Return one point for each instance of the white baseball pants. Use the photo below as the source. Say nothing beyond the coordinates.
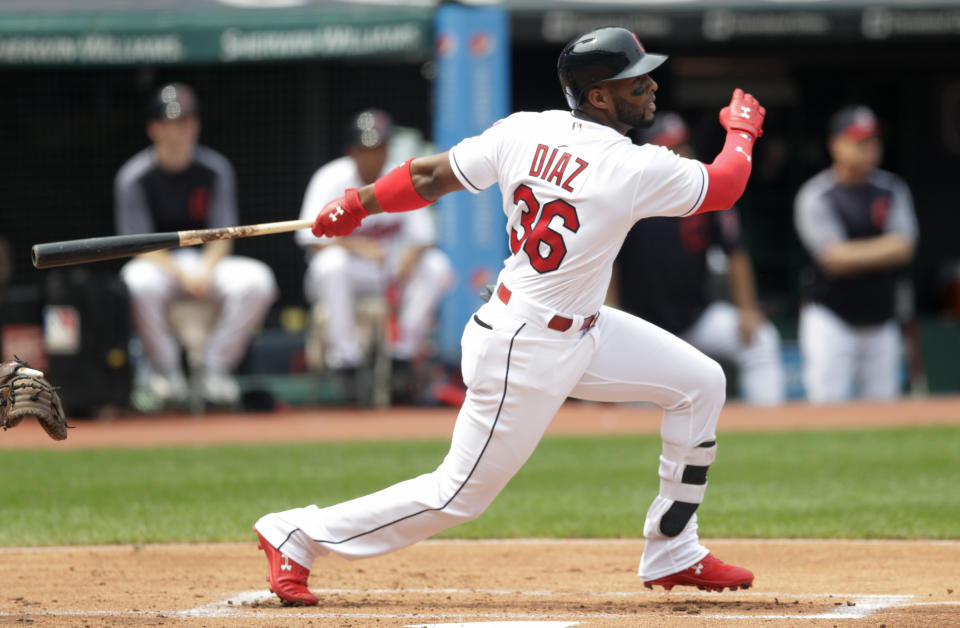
(840, 360)
(334, 277)
(759, 362)
(518, 373)
(245, 288)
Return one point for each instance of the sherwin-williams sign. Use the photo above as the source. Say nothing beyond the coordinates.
(212, 36)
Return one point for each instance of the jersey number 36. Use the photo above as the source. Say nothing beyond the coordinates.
(543, 245)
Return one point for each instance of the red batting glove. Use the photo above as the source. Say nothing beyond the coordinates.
(744, 113)
(341, 216)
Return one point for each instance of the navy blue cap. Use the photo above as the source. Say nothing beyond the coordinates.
(172, 101)
(857, 122)
(369, 128)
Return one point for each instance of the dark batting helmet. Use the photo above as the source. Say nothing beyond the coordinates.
(606, 54)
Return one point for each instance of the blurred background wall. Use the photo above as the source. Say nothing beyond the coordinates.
(277, 79)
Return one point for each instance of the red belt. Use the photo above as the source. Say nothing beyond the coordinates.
(557, 323)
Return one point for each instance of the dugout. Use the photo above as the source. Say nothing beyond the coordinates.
(75, 75)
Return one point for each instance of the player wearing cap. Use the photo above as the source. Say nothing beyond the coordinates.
(858, 225)
(172, 185)
(663, 279)
(573, 184)
(389, 248)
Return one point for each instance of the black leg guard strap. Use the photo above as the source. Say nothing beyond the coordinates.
(693, 474)
(675, 519)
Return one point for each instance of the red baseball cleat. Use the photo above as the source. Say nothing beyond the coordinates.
(287, 579)
(709, 574)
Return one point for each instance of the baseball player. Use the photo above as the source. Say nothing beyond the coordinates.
(573, 184)
(663, 275)
(388, 248)
(173, 185)
(858, 225)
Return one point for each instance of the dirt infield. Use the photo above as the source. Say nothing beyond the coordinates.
(558, 583)
(531, 583)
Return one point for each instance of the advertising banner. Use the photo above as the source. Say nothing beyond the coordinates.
(471, 93)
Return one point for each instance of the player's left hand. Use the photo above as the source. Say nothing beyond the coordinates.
(198, 286)
(341, 216)
(749, 323)
(744, 113)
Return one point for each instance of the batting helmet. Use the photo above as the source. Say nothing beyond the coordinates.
(606, 54)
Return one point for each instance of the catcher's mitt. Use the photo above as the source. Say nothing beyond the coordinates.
(25, 392)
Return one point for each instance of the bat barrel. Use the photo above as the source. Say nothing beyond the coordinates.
(51, 254)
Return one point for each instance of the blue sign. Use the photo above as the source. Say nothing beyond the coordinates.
(471, 93)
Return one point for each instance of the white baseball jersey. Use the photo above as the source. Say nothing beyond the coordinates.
(392, 230)
(572, 190)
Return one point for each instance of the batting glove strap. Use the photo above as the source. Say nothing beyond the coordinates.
(395, 191)
(681, 492)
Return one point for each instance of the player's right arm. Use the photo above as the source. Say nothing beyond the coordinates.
(413, 184)
(430, 177)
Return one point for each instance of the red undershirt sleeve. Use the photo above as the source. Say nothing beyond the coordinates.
(728, 173)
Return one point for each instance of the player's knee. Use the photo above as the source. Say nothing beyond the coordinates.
(141, 279)
(713, 382)
(330, 263)
(467, 511)
(437, 267)
(256, 282)
(767, 342)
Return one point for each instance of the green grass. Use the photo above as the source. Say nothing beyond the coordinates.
(899, 483)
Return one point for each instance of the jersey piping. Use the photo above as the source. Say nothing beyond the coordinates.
(461, 176)
(703, 190)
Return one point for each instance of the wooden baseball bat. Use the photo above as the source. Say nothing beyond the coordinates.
(51, 254)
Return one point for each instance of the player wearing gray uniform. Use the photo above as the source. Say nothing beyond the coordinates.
(388, 248)
(171, 186)
(572, 186)
(859, 227)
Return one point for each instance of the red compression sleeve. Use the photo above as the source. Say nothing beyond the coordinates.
(728, 173)
(395, 191)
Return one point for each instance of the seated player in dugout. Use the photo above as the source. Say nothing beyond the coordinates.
(172, 185)
(545, 335)
(663, 276)
(393, 252)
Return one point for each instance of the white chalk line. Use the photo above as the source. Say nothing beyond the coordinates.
(710, 541)
(505, 541)
(852, 606)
